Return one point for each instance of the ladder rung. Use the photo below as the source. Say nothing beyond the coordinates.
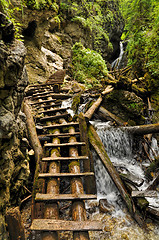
(65, 158)
(63, 197)
(49, 106)
(61, 225)
(54, 110)
(48, 175)
(55, 117)
(55, 95)
(60, 135)
(45, 101)
(62, 125)
(64, 144)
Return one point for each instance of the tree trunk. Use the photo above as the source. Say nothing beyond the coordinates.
(106, 114)
(15, 224)
(142, 129)
(88, 115)
(88, 165)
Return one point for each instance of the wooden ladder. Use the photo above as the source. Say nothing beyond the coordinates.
(61, 141)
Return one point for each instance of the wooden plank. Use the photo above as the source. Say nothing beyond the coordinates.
(65, 158)
(54, 117)
(42, 102)
(61, 225)
(60, 135)
(53, 110)
(54, 95)
(63, 197)
(151, 193)
(48, 175)
(64, 144)
(42, 93)
(71, 124)
(49, 106)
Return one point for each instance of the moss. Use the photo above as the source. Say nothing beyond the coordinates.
(72, 164)
(76, 101)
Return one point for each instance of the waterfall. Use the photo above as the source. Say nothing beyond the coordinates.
(117, 61)
(119, 147)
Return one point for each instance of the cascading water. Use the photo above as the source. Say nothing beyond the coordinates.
(116, 62)
(119, 147)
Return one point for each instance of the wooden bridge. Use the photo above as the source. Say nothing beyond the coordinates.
(64, 158)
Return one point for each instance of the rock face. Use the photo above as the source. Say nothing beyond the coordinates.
(14, 164)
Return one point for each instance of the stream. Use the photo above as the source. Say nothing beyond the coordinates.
(117, 222)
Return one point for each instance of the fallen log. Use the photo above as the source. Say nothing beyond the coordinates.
(32, 134)
(150, 193)
(142, 129)
(88, 115)
(15, 224)
(106, 114)
(99, 148)
(88, 165)
(154, 184)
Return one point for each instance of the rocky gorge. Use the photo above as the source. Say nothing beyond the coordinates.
(47, 47)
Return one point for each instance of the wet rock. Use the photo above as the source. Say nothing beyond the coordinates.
(104, 206)
(6, 29)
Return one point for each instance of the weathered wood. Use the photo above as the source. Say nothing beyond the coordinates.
(48, 175)
(78, 207)
(61, 225)
(53, 110)
(53, 187)
(64, 144)
(65, 158)
(54, 95)
(154, 184)
(99, 148)
(46, 101)
(35, 143)
(44, 106)
(142, 129)
(154, 213)
(150, 193)
(62, 125)
(60, 197)
(54, 117)
(15, 224)
(60, 135)
(106, 114)
(88, 165)
(32, 134)
(88, 115)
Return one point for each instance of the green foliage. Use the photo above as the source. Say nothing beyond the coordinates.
(95, 17)
(11, 12)
(88, 65)
(142, 33)
(42, 4)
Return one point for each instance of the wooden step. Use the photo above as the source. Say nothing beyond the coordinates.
(54, 117)
(40, 197)
(150, 193)
(48, 175)
(49, 106)
(65, 158)
(54, 95)
(42, 93)
(43, 84)
(60, 135)
(61, 225)
(53, 110)
(71, 124)
(45, 101)
(74, 144)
